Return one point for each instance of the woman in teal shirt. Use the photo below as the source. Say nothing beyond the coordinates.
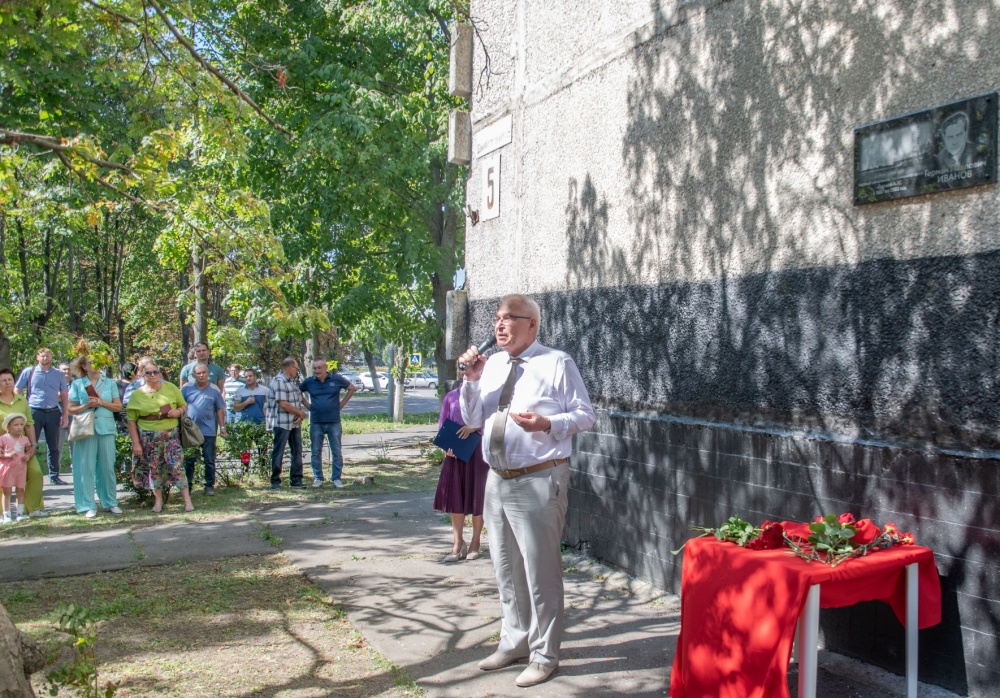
(94, 456)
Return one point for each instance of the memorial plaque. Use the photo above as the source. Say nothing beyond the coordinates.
(948, 147)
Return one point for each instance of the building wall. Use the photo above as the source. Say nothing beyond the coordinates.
(678, 197)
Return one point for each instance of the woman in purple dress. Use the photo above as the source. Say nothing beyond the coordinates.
(461, 486)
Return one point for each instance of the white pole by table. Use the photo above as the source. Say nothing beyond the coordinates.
(807, 637)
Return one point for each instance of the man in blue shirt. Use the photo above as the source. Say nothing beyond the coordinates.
(207, 408)
(250, 400)
(48, 397)
(202, 357)
(323, 389)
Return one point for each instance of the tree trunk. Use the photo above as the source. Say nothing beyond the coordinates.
(402, 361)
(73, 320)
(370, 360)
(312, 352)
(200, 297)
(185, 339)
(121, 340)
(4, 349)
(20, 657)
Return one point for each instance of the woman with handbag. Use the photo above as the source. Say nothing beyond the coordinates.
(93, 403)
(154, 411)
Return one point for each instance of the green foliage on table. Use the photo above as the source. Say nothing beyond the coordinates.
(735, 530)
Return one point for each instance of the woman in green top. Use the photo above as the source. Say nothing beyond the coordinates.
(153, 410)
(94, 456)
(11, 402)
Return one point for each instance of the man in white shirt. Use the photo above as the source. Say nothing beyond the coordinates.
(529, 400)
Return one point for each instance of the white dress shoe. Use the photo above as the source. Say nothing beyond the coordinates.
(535, 674)
(498, 660)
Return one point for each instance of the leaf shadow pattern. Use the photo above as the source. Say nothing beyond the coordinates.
(760, 347)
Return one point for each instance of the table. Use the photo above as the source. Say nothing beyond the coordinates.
(739, 610)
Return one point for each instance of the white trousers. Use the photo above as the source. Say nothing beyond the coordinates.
(524, 519)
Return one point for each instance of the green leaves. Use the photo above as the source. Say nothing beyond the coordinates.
(830, 536)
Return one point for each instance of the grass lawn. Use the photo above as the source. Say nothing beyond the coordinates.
(244, 626)
(368, 423)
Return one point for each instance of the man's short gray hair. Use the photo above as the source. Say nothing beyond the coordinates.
(289, 362)
(525, 302)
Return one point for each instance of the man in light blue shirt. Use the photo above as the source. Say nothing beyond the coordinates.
(250, 400)
(48, 397)
(207, 408)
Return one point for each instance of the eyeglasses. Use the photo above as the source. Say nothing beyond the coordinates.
(508, 319)
(150, 373)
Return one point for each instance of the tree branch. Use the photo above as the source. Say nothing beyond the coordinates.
(8, 137)
(234, 88)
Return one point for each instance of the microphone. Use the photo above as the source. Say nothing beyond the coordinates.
(483, 348)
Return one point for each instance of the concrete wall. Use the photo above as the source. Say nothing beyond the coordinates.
(678, 196)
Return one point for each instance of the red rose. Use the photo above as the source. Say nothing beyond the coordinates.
(891, 530)
(867, 532)
(846, 518)
(245, 458)
(907, 539)
(771, 537)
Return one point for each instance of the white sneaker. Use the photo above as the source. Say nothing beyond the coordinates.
(317, 483)
(116, 511)
(91, 514)
(338, 484)
(4, 520)
(38, 514)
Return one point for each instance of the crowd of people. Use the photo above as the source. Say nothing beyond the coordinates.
(526, 401)
(75, 404)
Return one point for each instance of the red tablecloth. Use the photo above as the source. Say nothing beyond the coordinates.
(739, 608)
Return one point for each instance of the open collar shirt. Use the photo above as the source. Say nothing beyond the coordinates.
(283, 388)
(47, 387)
(549, 384)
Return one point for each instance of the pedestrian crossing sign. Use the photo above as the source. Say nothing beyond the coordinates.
(414, 359)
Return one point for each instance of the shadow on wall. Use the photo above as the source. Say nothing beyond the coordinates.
(753, 296)
(736, 197)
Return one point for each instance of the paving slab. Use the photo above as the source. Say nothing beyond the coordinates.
(381, 558)
(202, 540)
(64, 556)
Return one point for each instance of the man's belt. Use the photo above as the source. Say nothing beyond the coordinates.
(45, 409)
(518, 472)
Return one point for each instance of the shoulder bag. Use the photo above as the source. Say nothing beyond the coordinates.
(189, 432)
(82, 426)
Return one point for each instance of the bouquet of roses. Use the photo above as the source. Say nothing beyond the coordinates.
(832, 538)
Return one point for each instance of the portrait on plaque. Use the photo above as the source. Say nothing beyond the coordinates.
(948, 147)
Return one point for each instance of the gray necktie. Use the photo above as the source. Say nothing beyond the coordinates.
(498, 458)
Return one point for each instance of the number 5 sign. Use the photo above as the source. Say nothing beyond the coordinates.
(489, 207)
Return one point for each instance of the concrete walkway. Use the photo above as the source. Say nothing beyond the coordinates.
(380, 558)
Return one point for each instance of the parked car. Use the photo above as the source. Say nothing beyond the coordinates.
(425, 379)
(366, 381)
(355, 379)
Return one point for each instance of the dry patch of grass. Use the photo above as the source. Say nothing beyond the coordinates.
(245, 626)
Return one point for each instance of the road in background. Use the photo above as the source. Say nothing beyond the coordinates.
(415, 401)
